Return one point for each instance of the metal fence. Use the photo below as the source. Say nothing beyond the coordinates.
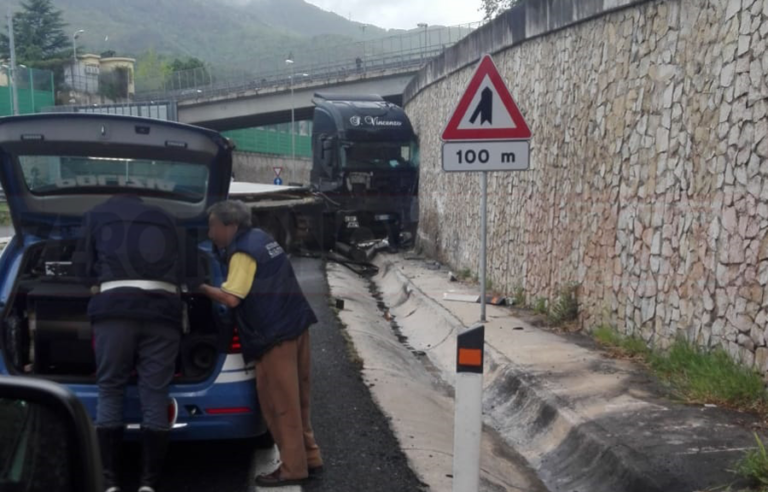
(165, 110)
(34, 87)
(408, 50)
(264, 141)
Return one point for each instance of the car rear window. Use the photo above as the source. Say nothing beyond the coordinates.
(63, 175)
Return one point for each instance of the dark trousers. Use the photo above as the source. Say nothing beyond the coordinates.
(149, 347)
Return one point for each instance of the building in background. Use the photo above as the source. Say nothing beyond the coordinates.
(99, 80)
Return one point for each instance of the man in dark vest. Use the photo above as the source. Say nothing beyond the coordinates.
(273, 318)
(131, 253)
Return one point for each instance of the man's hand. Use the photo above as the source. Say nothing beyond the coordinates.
(220, 296)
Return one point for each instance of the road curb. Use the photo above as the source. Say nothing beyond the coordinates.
(570, 451)
(419, 406)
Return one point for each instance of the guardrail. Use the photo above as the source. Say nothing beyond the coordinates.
(401, 52)
(312, 74)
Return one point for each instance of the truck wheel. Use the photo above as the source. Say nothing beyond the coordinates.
(273, 226)
(322, 232)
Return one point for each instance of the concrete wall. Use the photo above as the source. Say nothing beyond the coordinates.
(649, 179)
(260, 168)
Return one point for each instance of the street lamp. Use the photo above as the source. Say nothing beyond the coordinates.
(74, 54)
(424, 26)
(363, 27)
(10, 85)
(9, 72)
(290, 62)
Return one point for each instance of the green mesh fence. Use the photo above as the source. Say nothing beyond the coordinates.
(34, 89)
(264, 141)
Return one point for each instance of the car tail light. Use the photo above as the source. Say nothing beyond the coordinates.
(227, 410)
(234, 346)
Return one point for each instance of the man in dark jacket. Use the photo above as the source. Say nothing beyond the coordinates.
(273, 318)
(130, 253)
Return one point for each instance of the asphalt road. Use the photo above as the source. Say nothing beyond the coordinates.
(359, 449)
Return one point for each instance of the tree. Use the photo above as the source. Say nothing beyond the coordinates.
(187, 73)
(39, 34)
(191, 63)
(492, 8)
(114, 84)
(151, 72)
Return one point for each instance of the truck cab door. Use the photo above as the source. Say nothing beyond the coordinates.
(327, 156)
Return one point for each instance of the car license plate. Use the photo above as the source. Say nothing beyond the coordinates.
(382, 218)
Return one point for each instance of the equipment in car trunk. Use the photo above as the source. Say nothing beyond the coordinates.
(60, 330)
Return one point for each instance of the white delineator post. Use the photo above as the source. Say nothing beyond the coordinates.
(468, 421)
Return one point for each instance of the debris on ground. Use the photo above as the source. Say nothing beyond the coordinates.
(470, 298)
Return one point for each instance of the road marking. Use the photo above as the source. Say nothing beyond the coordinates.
(266, 461)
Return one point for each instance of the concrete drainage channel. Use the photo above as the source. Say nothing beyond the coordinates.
(569, 451)
(411, 391)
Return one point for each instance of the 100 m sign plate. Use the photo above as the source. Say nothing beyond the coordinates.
(467, 157)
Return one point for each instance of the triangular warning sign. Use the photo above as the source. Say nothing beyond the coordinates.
(278, 171)
(487, 111)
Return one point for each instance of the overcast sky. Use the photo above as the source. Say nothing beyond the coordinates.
(405, 14)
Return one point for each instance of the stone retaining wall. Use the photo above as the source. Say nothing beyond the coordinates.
(649, 179)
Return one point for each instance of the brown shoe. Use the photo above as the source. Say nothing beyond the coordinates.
(275, 480)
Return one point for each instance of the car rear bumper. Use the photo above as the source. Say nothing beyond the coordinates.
(228, 410)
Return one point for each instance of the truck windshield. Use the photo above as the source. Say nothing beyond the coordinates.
(379, 155)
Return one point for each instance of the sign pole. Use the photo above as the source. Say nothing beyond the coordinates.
(483, 241)
(486, 133)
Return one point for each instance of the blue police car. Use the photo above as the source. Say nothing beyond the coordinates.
(54, 168)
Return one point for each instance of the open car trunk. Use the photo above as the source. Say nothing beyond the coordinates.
(57, 167)
(48, 334)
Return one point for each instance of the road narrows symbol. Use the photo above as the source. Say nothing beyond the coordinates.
(484, 108)
(486, 111)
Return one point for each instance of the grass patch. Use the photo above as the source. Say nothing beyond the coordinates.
(465, 274)
(519, 297)
(702, 377)
(565, 307)
(695, 375)
(710, 377)
(606, 336)
(540, 306)
(754, 465)
(630, 347)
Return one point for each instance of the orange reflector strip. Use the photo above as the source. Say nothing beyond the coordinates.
(470, 357)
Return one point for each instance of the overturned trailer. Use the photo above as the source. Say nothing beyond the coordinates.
(297, 218)
(290, 214)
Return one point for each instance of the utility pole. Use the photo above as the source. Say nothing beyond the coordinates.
(12, 46)
(74, 60)
(424, 26)
(290, 62)
(363, 27)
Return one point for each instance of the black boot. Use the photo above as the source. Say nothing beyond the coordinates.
(154, 446)
(110, 446)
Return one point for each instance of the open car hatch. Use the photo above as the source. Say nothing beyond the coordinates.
(57, 166)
